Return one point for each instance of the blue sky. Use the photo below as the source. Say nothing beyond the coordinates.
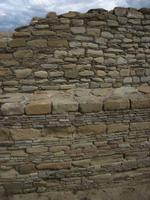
(14, 13)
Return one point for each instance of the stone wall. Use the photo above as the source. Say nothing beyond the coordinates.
(75, 140)
(88, 133)
(98, 49)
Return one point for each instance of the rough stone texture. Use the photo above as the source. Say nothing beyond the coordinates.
(100, 45)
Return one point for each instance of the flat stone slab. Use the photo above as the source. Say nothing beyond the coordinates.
(75, 100)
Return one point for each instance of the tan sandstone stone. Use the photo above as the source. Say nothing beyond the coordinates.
(38, 107)
(116, 104)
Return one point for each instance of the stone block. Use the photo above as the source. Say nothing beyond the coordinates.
(39, 43)
(77, 30)
(117, 127)
(36, 149)
(26, 168)
(99, 60)
(23, 54)
(117, 104)
(43, 33)
(89, 104)
(81, 163)
(107, 35)
(22, 73)
(38, 107)
(17, 43)
(56, 43)
(5, 72)
(86, 73)
(56, 73)
(92, 128)
(137, 103)
(137, 126)
(120, 11)
(21, 34)
(94, 53)
(133, 13)
(41, 74)
(12, 109)
(4, 56)
(4, 134)
(62, 105)
(77, 52)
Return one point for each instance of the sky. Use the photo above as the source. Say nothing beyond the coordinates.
(15, 13)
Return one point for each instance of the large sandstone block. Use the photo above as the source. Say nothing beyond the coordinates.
(12, 109)
(89, 104)
(38, 107)
(117, 104)
(143, 102)
(62, 105)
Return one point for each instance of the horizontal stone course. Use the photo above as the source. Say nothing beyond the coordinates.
(123, 98)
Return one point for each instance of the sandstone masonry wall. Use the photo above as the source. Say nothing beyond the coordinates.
(90, 127)
(97, 49)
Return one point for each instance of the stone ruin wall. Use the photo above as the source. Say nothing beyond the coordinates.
(78, 139)
(98, 49)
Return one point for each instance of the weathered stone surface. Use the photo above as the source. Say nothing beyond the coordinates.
(23, 54)
(120, 11)
(107, 35)
(77, 30)
(43, 33)
(56, 74)
(137, 102)
(41, 74)
(38, 107)
(132, 13)
(39, 43)
(89, 104)
(62, 105)
(12, 109)
(17, 43)
(86, 73)
(26, 169)
(36, 150)
(116, 104)
(23, 73)
(25, 134)
(140, 126)
(4, 134)
(92, 128)
(57, 43)
(118, 127)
